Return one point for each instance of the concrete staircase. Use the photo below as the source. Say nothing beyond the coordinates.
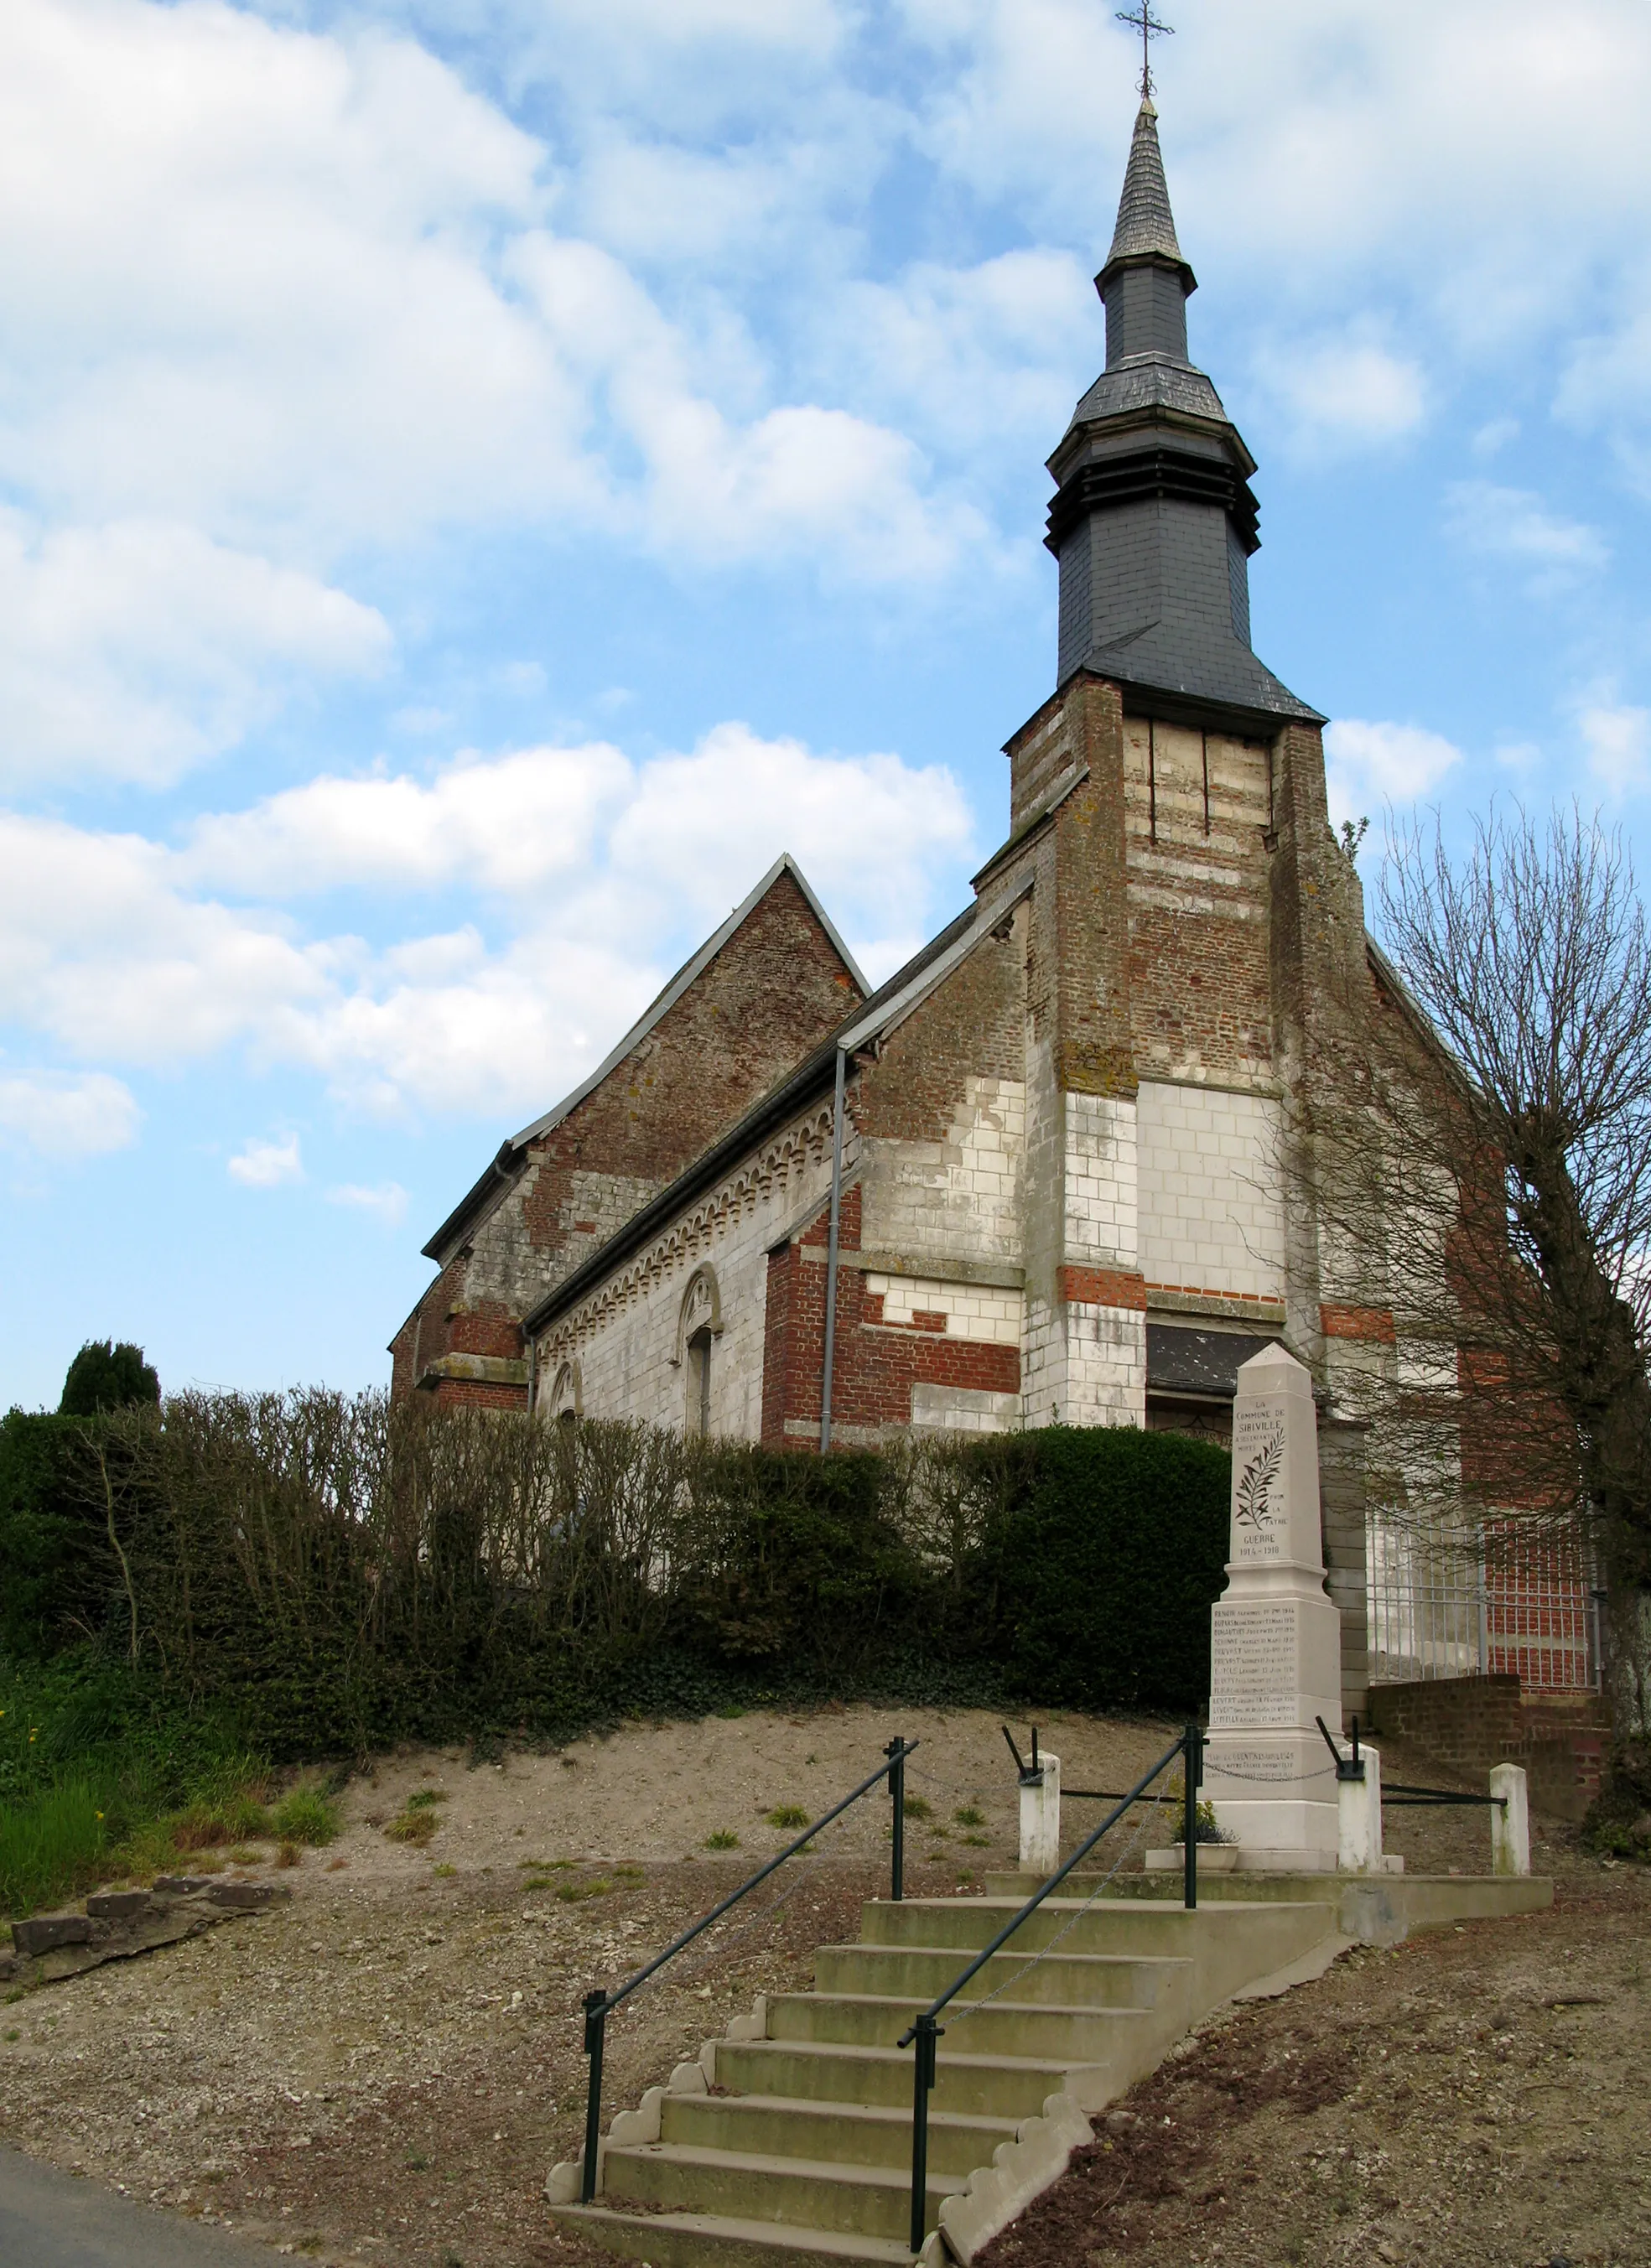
(789, 2141)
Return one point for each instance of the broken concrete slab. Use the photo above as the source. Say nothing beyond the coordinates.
(119, 1924)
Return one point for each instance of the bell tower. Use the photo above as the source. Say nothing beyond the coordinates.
(1154, 520)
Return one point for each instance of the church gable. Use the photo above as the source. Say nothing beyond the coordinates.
(757, 997)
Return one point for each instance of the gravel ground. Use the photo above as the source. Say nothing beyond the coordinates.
(384, 2068)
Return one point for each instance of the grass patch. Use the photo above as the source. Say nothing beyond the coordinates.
(571, 1893)
(99, 1773)
(788, 1814)
(443, 1871)
(968, 1815)
(288, 1855)
(422, 1798)
(978, 1841)
(307, 1814)
(413, 1827)
(918, 1807)
(724, 1839)
(235, 1818)
(57, 1839)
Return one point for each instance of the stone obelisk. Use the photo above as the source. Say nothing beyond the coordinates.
(1276, 1638)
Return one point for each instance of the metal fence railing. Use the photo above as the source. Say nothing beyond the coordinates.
(1522, 1603)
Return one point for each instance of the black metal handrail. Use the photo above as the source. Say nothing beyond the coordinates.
(599, 2005)
(926, 2032)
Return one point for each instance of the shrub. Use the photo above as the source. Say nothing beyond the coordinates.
(104, 1376)
(327, 1572)
(1619, 1822)
(53, 1579)
(1108, 1565)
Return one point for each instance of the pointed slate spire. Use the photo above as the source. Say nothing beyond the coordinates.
(1146, 282)
(1146, 224)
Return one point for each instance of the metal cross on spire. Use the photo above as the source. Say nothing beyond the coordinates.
(1140, 18)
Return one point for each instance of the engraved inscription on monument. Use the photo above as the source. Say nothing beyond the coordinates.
(1253, 1664)
(1259, 1767)
(1259, 1506)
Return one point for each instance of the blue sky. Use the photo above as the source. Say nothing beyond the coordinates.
(478, 479)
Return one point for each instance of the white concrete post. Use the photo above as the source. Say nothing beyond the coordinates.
(1359, 1806)
(1510, 1821)
(1040, 1820)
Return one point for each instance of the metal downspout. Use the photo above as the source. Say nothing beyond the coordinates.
(832, 1258)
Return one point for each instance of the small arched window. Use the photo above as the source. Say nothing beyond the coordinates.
(566, 1399)
(697, 1367)
(698, 1326)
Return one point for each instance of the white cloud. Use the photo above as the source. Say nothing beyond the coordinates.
(386, 1201)
(301, 294)
(260, 1165)
(971, 355)
(133, 651)
(602, 874)
(867, 830)
(1346, 392)
(1512, 524)
(1617, 740)
(1493, 438)
(511, 825)
(68, 1114)
(1369, 764)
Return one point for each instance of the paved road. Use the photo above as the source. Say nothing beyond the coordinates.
(50, 2219)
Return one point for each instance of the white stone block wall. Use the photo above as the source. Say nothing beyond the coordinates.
(963, 1410)
(1106, 1367)
(1101, 1215)
(1212, 1204)
(980, 1311)
(959, 1197)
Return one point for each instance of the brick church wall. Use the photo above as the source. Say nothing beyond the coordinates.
(625, 1335)
(958, 1366)
(772, 992)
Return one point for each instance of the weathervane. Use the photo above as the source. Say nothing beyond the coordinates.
(1140, 18)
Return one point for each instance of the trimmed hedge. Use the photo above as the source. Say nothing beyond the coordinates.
(1115, 1549)
(341, 1573)
(53, 1559)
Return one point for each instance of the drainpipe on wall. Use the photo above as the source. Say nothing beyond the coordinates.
(832, 1258)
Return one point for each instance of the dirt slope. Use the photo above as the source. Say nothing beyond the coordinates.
(383, 2069)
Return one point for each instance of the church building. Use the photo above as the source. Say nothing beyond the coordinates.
(1057, 1168)
(1043, 1174)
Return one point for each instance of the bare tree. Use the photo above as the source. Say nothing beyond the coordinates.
(1494, 1195)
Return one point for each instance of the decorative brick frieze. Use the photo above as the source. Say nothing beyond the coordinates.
(768, 1175)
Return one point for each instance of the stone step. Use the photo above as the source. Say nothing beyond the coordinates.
(1137, 1926)
(1005, 2026)
(693, 2239)
(1104, 1980)
(977, 2086)
(748, 2185)
(843, 2133)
